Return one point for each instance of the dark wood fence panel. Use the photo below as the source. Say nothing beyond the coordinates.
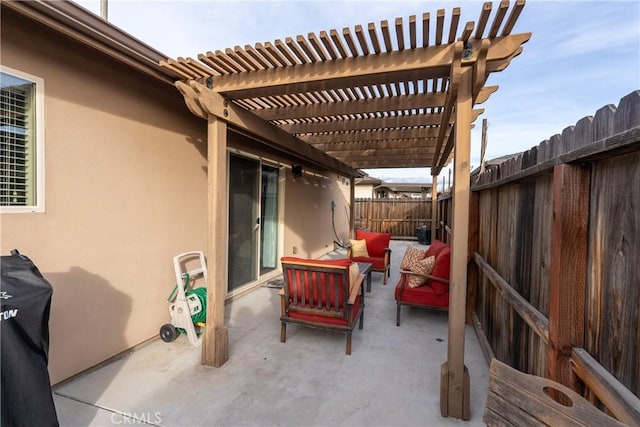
(540, 265)
(613, 279)
(486, 294)
(396, 216)
(445, 212)
(515, 234)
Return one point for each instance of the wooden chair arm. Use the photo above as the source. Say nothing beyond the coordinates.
(283, 302)
(355, 289)
(428, 276)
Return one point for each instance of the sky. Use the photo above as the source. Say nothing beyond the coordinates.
(582, 55)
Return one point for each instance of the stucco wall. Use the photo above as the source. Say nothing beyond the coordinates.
(125, 192)
(363, 191)
(308, 229)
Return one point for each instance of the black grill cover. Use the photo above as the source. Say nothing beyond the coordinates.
(25, 299)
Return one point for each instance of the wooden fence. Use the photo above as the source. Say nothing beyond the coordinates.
(399, 217)
(555, 240)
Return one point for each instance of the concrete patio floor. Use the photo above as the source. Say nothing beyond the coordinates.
(392, 377)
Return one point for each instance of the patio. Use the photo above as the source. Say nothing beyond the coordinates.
(392, 377)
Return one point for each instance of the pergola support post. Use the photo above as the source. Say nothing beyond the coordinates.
(454, 381)
(215, 340)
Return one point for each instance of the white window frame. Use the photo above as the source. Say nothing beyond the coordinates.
(39, 130)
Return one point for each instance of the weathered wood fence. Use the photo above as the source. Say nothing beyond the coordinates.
(554, 281)
(399, 217)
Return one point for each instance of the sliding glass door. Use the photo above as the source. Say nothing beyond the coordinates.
(253, 220)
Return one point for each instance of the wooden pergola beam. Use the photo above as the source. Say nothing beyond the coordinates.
(375, 105)
(413, 64)
(420, 158)
(390, 122)
(399, 152)
(376, 145)
(450, 103)
(374, 135)
(201, 99)
(390, 162)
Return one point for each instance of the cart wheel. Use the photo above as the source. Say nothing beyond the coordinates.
(168, 332)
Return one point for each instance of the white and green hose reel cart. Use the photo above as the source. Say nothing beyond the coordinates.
(188, 305)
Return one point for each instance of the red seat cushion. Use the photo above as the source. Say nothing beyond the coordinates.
(435, 248)
(376, 242)
(441, 269)
(423, 295)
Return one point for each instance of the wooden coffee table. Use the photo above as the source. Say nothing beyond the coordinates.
(365, 268)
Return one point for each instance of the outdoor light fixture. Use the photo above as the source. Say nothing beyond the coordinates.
(296, 170)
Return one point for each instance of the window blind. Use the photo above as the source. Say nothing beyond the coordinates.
(17, 142)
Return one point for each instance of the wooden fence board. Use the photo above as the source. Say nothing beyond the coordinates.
(516, 197)
(522, 266)
(540, 265)
(396, 216)
(613, 284)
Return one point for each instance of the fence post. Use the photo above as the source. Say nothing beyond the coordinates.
(434, 207)
(568, 268)
(352, 206)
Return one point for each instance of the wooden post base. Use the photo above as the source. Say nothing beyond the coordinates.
(454, 403)
(220, 348)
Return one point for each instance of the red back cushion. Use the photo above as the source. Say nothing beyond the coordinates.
(435, 248)
(376, 242)
(311, 288)
(442, 270)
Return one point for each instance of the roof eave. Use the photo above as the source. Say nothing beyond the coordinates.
(94, 32)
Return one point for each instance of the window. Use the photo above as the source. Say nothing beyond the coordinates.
(21, 142)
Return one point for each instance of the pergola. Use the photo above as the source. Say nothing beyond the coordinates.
(393, 95)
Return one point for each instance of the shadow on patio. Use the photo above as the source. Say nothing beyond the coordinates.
(392, 377)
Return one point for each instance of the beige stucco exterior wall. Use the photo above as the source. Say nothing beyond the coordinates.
(125, 192)
(308, 229)
(363, 191)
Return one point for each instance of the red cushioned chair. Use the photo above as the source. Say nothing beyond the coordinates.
(434, 294)
(326, 294)
(379, 252)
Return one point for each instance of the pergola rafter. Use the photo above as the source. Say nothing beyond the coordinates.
(382, 70)
(398, 94)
